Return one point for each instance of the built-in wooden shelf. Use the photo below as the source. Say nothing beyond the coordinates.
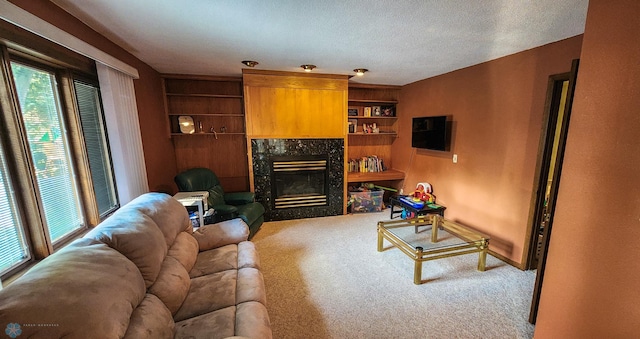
(206, 95)
(390, 174)
(209, 114)
(365, 144)
(208, 134)
(371, 117)
(373, 134)
(369, 101)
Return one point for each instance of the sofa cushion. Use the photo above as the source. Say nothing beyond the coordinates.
(185, 249)
(250, 286)
(168, 214)
(172, 284)
(252, 320)
(248, 255)
(229, 287)
(225, 258)
(219, 289)
(212, 325)
(215, 260)
(221, 234)
(86, 289)
(151, 319)
(137, 237)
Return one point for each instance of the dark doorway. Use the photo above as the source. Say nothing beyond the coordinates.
(558, 110)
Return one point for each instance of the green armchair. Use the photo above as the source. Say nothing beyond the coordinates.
(227, 205)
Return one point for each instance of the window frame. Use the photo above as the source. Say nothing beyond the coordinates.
(68, 132)
(20, 166)
(93, 81)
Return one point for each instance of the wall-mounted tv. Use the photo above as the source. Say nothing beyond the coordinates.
(430, 133)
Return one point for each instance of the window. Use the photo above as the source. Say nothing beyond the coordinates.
(56, 177)
(95, 137)
(42, 117)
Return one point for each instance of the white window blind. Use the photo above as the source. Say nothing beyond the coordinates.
(42, 117)
(13, 248)
(96, 141)
(121, 115)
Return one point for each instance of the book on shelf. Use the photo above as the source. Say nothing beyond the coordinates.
(366, 164)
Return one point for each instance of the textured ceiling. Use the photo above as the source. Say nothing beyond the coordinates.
(398, 41)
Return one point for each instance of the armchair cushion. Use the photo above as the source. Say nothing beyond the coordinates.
(223, 210)
(250, 212)
(239, 198)
(216, 196)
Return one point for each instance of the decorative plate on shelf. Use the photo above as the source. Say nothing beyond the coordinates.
(186, 124)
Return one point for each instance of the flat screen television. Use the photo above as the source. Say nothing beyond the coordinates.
(430, 133)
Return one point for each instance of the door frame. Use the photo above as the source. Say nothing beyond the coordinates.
(544, 159)
(543, 168)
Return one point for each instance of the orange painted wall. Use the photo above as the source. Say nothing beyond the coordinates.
(592, 280)
(497, 110)
(158, 149)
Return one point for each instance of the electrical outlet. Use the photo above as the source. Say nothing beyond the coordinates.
(455, 158)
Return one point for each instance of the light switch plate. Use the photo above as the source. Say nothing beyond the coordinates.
(455, 158)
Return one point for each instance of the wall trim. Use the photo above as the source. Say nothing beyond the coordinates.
(515, 264)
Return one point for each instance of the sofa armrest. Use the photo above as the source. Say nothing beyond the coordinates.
(221, 234)
(239, 198)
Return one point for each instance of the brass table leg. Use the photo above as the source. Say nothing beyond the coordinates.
(417, 270)
(482, 256)
(380, 239)
(434, 228)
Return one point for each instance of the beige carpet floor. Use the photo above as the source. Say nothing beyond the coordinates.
(325, 279)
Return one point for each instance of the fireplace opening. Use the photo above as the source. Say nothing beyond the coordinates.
(299, 181)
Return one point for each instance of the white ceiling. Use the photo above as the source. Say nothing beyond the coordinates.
(398, 41)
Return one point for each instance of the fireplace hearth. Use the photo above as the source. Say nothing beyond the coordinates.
(298, 178)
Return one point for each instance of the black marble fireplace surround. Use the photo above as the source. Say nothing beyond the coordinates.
(264, 150)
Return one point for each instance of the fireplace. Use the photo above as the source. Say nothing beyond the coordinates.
(299, 181)
(298, 178)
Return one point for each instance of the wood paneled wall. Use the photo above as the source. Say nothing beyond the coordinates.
(294, 105)
(215, 102)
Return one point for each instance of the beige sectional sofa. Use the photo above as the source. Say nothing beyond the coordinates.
(143, 273)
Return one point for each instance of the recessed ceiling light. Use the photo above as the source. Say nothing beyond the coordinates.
(250, 63)
(360, 71)
(308, 68)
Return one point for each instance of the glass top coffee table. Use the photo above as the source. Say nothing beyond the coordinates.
(444, 239)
